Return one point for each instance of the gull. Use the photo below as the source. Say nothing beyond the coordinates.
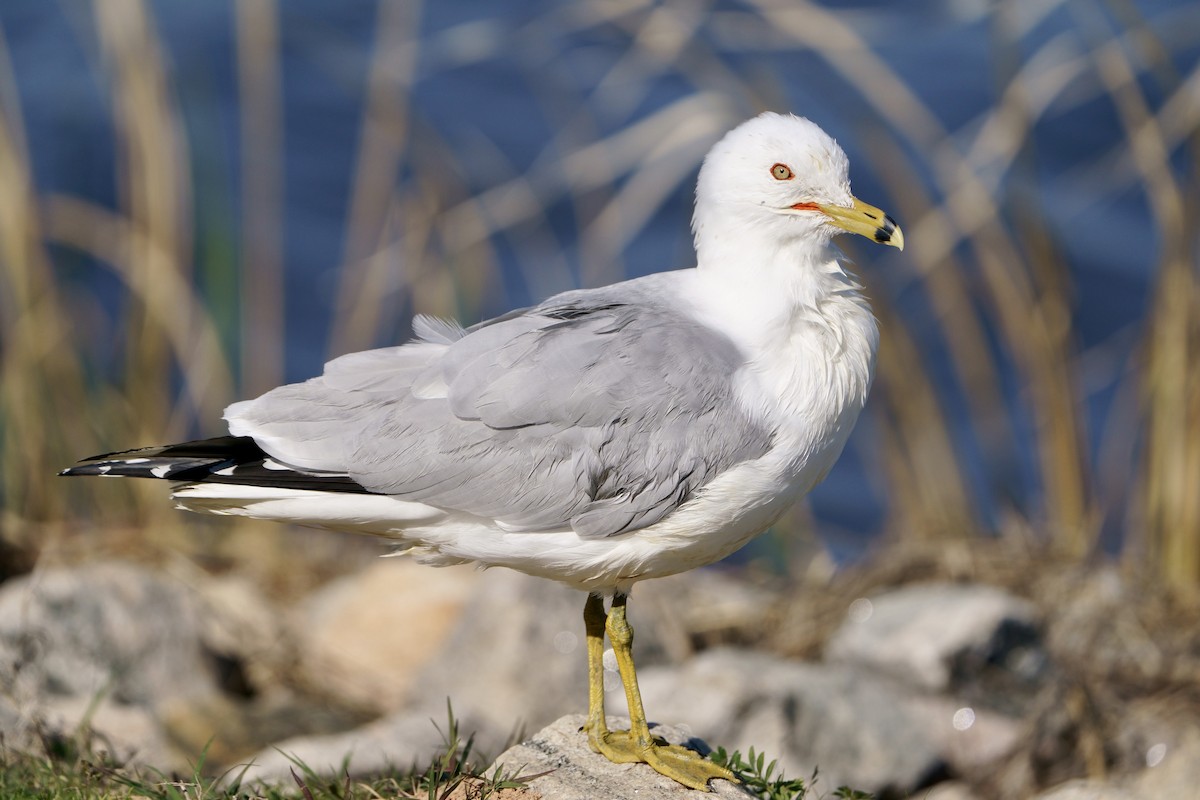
(603, 437)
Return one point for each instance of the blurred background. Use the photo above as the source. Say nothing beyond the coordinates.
(202, 200)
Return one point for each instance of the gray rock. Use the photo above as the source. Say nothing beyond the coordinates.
(858, 728)
(937, 635)
(242, 627)
(514, 659)
(129, 734)
(947, 790)
(111, 648)
(106, 630)
(568, 770)
(1089, 790)
(400, 741)
(518, 655)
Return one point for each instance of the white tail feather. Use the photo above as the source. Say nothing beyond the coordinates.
(375, 514)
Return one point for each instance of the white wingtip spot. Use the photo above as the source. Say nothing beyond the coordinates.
(160, 471)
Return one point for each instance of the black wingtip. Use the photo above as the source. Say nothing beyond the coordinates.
(171, 462)
(83, 469)
(227, 459)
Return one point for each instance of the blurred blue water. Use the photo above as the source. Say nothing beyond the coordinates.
(504, 74)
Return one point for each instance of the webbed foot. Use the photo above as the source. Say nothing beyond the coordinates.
(678, 763)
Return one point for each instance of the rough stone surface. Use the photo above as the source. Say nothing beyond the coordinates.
(110, 629)
(243, 628)
(399, 741)
(1089, 790)
(860, 729)
(895, 708)
(366, 637)
(111, 647)
(947, 790)
(574, 772)
(932, 634)
(517, 655)
(512, 659)
(127, 733)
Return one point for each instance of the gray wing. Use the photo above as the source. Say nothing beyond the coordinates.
(594, 410)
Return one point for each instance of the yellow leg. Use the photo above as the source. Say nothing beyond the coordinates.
(678, 763)
(594, 617)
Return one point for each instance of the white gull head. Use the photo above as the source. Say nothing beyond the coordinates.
(780, 181)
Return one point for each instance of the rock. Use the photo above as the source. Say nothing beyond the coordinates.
(111, 647)
(230, 730)
(858, 728)
(517, 656)
(400, 741)
(129, 734)
(938, 636)
(245, 632)
(567, 769)
(948, 790)
(363, 639)
(108, 629)
(1088, 790)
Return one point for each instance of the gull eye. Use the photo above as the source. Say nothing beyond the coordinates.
(781, 172)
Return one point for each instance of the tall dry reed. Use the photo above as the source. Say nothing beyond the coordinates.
(423, 234)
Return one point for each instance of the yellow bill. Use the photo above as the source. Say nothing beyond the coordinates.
(861, 218)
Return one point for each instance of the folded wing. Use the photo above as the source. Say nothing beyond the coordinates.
(596, 412)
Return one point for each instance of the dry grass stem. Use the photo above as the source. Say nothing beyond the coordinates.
(262, 297)
(429, 227)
